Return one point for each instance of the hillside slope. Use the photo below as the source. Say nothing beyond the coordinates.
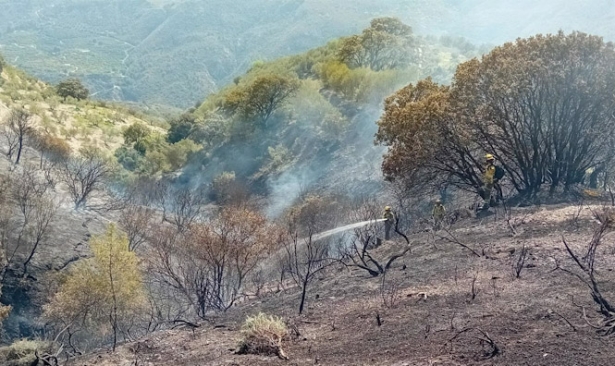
(80, 123)
(176, 52)
(439, 290)
(83, 125)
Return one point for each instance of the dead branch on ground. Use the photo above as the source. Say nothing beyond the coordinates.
(587, 276)
(491, 349)
(452, 239)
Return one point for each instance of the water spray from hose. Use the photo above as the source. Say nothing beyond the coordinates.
(340, 229)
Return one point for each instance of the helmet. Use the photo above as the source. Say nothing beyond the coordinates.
(489, 157)
(438, 200)
(387, 208)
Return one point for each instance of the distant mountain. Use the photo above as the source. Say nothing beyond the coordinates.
(176, 52)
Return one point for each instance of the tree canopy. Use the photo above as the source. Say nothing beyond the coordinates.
(259, 99)
(72, 88)
(543, 106)
(386, 44)
(181, 128)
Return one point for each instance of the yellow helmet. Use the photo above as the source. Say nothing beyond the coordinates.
(387, 208)
(489, 157)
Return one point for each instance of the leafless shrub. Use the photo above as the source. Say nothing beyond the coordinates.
(257, 281)
(44, 212)
(390, 291)
(358, 252)
(11, 138)
(519, 262)
(587, 266)
(574, 221)
(305, 258)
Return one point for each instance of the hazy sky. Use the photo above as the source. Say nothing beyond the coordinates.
(496, 21)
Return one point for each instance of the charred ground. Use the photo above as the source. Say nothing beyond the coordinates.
(444, 305)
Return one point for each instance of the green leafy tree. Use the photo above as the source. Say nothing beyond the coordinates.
(386, 44)
(182, 128)
(103, 292)
(178, 153)
(136, 133)
(129, 158)
(259, 99)
(543, 106)
(72, 88)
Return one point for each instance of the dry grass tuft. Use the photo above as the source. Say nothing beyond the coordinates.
(22, 353)
(263, 335)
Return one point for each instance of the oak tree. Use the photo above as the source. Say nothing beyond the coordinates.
(387, 44)
(258, 100)
(72, 88)
(543, 106)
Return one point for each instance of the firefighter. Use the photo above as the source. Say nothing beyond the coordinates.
(488, 180)
(438, 214)
(389, 220)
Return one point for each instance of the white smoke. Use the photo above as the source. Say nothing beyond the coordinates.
(286, 188)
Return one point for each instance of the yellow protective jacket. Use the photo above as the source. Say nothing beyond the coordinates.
(489, 174)
(438, 211)
(388, 215)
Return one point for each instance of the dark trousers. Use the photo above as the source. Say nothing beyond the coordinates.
(387, 230)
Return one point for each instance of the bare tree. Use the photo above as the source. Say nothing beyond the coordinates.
(11, 138)
(136, 221)
(84, 176)
(20, 122)
(44, 212)
(207, 264)
(305, 258)
(26, 187)
(30, 210)
(174, 271)
(185, 206)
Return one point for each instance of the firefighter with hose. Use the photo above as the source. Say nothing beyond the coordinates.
(389, 221)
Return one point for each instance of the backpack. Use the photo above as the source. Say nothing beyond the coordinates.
(499, 173)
